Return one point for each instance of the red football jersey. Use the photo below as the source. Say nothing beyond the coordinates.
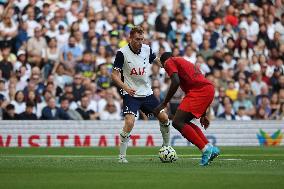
(189, 74)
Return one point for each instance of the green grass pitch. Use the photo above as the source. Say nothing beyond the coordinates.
(237, 167)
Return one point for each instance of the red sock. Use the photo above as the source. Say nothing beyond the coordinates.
(189, 133)
(199, 132)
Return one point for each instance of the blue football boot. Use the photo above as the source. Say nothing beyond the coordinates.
(215, 153)
(205, 159)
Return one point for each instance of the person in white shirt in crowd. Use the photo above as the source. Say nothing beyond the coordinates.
(257, 84)
(196, 32)
(229, 62)
(110, 111)
(108, 96)
(241, 115)
(251, 26)
(190, 54)
(22, 62)
(52, 31)
(31, 23)
(19, 102)
(62, 37)
(160, 42)
(279, 26)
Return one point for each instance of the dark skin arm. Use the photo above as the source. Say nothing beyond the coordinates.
(172, 90)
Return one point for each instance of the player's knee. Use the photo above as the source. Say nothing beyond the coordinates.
(129, 121)
(177, 125)
(163, 117)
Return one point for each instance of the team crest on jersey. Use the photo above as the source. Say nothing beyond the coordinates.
(138, 71)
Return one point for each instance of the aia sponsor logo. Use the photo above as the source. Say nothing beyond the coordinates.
(138, 71)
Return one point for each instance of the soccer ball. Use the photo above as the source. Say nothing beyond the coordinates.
(167, 154)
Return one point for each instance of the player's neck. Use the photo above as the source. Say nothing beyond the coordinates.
(135, 51)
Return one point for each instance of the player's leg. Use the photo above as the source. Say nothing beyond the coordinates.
(164, 127)
(149, 104)
(215, 151)
(180, 123)
(130, 108)
(198, 131)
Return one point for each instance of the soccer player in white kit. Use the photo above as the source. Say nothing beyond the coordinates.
(133, 62)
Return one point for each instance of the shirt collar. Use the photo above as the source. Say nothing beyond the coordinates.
(133, 50)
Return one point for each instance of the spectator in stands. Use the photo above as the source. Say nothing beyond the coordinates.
(241, 115)
(51, 57)
(19, 102)
(84, 111)
(86, 66)
(35, 46)
(9, 113)
(275, 106)
(78, 88)
(257, 84)
(242, 101)
(280, 115)
(6, 67)
(52, 112)
(231, 91)
(65, 105)
(63, 76)
(110, 112)
(71, 50)
(221, 106)
(28, 113)
(227, 114)
(229, 61)
(103, 79)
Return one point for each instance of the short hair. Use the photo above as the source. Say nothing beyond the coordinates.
(30, 104)
(136, 29)
(10, 107)
(165, 56)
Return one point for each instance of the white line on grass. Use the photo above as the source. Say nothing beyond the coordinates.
(190, 156)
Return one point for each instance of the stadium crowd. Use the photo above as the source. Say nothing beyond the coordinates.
(56, 55)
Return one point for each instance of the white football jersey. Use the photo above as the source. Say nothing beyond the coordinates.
(135, 69)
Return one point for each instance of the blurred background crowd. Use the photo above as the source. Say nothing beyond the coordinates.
(56, 55)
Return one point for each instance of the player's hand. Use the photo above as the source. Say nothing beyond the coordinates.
(158, 109)
(130, 91)
(204, 122)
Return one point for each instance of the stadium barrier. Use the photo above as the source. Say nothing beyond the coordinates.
(145, 133)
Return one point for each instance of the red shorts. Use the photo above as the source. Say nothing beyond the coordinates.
(198, 100)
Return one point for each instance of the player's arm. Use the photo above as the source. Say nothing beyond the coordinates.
(116, 75)
(172, 90)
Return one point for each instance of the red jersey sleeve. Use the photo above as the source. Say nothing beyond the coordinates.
(171, 67)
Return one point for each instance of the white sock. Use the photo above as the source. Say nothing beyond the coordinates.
(124, 138)
(165, 130)
(206, 146)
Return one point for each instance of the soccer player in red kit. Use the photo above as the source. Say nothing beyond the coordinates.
(199, 93)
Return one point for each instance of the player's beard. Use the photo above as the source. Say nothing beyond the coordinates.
(138, 47)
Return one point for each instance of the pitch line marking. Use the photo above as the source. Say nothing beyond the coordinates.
(190, 156)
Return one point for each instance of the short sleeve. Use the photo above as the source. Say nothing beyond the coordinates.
(152, 56)
(170, 67)
(118, 62)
